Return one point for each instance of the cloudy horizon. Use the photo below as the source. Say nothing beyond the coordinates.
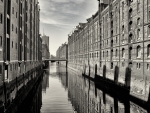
(59, 17)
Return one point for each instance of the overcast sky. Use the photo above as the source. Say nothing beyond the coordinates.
(59, 17)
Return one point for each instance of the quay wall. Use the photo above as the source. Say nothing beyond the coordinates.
(13, 92)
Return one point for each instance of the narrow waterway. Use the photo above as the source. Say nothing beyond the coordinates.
(65, 91)
(54, 92)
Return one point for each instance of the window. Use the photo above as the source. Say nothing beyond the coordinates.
(138, 33)
(16, 14)
(148, 50)
(16, 30)
(111, 65)
(138, 52)
(12, 44)
(123, 40)
(123, 53)
(116, 53)
(138, 21)
(12, 10)
(137, 66)
(107, 53)
(130, 52)
(1, 18)
(111, 54)
(123, 29)
(130, 38)
(1, 41)
(130, 13)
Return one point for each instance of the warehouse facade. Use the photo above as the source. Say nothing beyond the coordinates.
(114, 39)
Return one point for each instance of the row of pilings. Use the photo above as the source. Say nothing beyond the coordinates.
(113, 86)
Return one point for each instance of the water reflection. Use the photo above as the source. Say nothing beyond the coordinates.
(64, 91)
(86, 97)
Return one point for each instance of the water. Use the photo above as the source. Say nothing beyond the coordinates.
(55, 95)
(64, 91)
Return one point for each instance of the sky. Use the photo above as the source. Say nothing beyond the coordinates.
(58, 18)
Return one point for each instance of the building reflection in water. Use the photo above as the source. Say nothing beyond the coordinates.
(33, 102)
(83, 94)
(86, 97)
(45, 83)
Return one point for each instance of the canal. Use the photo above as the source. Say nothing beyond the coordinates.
(63, 90)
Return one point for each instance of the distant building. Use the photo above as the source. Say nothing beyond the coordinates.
(45, 47)
(62, 51)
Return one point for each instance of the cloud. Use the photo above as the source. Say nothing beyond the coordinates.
(63, 15)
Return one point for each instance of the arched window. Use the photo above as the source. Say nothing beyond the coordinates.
(123, 29)
(138, 21)
(148, 67)
(130, 52)
(107, 53)
(116, 53)
(148, 50)
(111, 54)
(123, 53)
(138, 33)
(138, 51)
(130, 38)
(123, 40)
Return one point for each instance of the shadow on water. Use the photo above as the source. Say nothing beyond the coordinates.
(85, 95)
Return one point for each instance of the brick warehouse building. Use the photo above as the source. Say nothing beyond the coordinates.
(114, 39)
(20, 42)
(62, 51)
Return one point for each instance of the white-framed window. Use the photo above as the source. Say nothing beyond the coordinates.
(123, 53)
(138, 21)
(138, 51)
(138, 34)
(116, 54)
